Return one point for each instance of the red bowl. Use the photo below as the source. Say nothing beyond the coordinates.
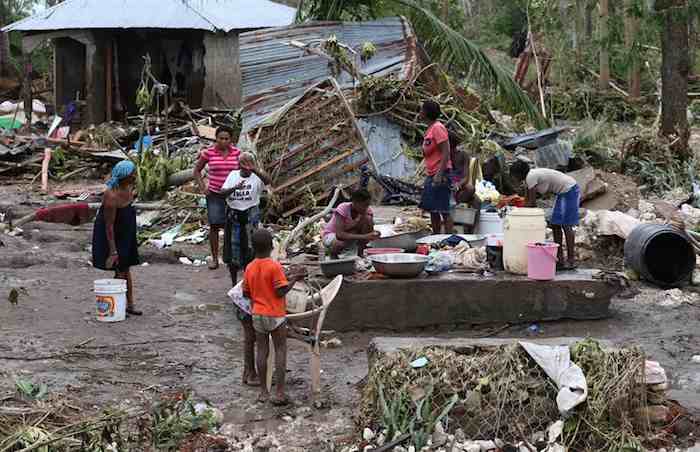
(375, 251)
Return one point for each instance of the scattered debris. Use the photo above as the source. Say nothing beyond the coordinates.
(471, 390)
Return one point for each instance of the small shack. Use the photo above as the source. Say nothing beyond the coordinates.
(99, 47)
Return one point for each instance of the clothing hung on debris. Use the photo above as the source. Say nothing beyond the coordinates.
(72, 214)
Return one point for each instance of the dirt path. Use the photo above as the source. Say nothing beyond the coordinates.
(189, 338)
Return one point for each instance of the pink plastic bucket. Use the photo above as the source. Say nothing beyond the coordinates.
(542, 260)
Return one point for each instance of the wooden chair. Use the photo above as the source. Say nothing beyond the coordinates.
(317, 316)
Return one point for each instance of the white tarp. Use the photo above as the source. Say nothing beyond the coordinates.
(609, 222)
(556, 362)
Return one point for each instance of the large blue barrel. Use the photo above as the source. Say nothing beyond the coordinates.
(660, 254)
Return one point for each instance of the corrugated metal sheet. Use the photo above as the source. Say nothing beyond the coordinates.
(212, 15)
(386, 147)
(274, 72)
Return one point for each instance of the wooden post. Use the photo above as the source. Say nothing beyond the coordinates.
(90, 57)
(604, 36)
(27, 87)
(631, 32)
(109, 71)
(167, 122)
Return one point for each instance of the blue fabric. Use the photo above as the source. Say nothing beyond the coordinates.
(121, 171)
(436, 198)
(216, 209)
(238, 231)
(565, 212)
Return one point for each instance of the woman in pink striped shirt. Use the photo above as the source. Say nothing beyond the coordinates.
(222, 158)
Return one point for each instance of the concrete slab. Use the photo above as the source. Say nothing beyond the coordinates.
(459, 298)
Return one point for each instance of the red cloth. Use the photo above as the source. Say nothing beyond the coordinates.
(72, 214)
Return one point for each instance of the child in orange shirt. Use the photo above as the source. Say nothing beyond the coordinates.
(266, 285)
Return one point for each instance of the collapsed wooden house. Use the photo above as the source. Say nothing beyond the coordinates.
(298, 110)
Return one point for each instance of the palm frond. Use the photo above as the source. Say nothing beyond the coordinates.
(454, 51)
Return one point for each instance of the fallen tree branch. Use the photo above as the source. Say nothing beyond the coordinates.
(155, 341)
(281, 251)
(611, 83)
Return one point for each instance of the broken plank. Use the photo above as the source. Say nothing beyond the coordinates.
(353, 118)
(313, 171)
(325, 195)
(314, 185)
(12, 165)
(280, 160)
(345, 144)
(207, 132)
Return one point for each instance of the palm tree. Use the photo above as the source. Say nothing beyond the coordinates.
(446, 45)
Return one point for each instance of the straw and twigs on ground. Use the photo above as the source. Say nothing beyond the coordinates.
(502, 393)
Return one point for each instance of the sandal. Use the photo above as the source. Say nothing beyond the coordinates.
(251, 382)
(280, 401)
(213, 265)
(133, 311)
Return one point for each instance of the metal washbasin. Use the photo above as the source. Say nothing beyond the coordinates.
(406, 241)
(399, 265)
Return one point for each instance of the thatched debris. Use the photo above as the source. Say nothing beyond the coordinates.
(500, 393)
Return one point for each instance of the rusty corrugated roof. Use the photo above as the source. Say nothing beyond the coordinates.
(275, 72)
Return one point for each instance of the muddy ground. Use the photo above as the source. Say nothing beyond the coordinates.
(189, 338)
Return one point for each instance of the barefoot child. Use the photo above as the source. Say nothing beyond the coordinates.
(565, 213)
(242, 190)
(266, 285)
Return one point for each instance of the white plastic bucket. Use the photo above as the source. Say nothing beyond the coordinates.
(110, 297)
(494, 240)
(521, 226)
(489, 223)
(464, 215)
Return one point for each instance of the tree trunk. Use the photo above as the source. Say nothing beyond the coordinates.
(604, 43)
(589, 22)
(5, 64)
(674, 74)
(579, 28)
(631, 32)
(693, 41)
(446, 11)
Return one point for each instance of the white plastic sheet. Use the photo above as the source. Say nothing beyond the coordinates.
(608, 222)
(556, 362)
(236, 296)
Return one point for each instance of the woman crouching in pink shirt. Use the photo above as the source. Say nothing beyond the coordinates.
(351, 227)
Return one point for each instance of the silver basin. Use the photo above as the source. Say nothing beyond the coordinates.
(399, 265)
(406, 241)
